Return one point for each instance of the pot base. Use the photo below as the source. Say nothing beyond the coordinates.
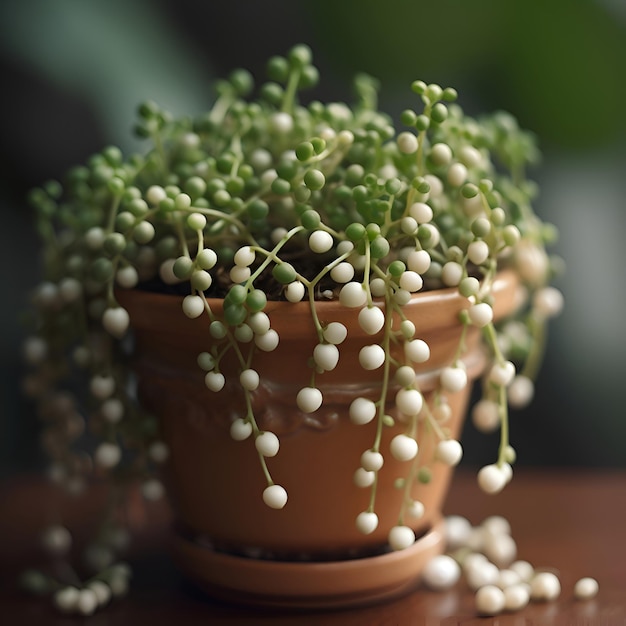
(307, 585)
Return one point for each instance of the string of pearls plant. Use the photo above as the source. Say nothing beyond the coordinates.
(267, 199)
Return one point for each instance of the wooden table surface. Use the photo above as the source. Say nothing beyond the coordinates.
(573, 521)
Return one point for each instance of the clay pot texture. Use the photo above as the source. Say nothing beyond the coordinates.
(216, 483)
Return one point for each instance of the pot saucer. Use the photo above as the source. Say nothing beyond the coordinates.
(307, 585)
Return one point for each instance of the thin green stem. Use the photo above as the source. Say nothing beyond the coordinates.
(221, 216)
(373, 490)
(115, 203)
(380, 422)
(538, 328)
(408, 485)
(316, 320)
(291, 89)
(366, 274)
(492, 338)
(461, 347)
(200, 234)
(220, 108)
(181, 236)
(158, 144)
(272, 255)
(433, 423)
(310, 285)
(266, 471)
(504, 425)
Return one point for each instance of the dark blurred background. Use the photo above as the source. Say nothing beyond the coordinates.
(73, 72)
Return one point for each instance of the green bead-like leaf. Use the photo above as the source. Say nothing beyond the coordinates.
(256, 300)
(284, 273)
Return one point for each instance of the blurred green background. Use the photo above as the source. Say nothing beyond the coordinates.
(73, 72)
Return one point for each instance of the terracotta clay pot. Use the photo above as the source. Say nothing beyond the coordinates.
(309, 554)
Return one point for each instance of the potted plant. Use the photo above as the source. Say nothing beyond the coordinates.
(283, 306)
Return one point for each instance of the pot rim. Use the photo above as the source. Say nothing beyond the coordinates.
(437, 308)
